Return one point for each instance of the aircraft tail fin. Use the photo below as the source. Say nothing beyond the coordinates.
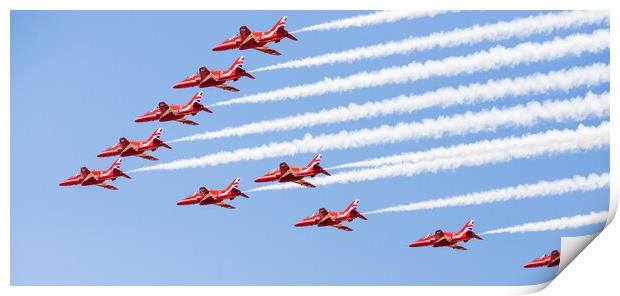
(469, 226)
(280, 24)
(156, 138)
(315, 161)
(237, 66)
(233, 185)
(238, 63)
(156, 135)
(195, 98)
(352, 206)
(116, 164)
(116, 168)
(195, 101)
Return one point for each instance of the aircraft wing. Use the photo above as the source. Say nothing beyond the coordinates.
(184, 120)
(89, 177)
(227, 87)
(325, 218)
(342, 227)
(268, 50)
(224, 205)
(457, 247)
(305, 183)
(440, 237)
(205, 199)
(146, 156)
(168, 112)
(129, 148)
(107, 186)
(207, 79)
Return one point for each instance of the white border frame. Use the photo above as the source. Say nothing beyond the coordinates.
(593, 271)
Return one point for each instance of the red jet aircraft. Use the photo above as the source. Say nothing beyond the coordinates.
(295, 174)
(257, 40)
(136, 148)
(550, 260)
(163, 112)
(334, 219)
(216, 78)
(215, 197)
(87, 177)
(448, 239)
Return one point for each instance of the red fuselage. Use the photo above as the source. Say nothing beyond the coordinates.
(261, 38)
(216, 197)
(132, 148)
(298, 174)
(315, 220)
(219, 77)
(452, 238)
(325, 218)
(99, 177)
(448, 239)
(160, 114)
(86, 177)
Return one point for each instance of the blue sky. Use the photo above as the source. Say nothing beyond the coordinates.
(78, 79)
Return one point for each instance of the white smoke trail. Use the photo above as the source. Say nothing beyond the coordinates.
(536, 83)
(496, 57)
(517, 28)
(521, 115)
(475, 154)
(376, 18)
(543, 188)
(556, 224)
(578, 108)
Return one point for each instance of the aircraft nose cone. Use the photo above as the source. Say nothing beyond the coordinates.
(261, 179)
(218, 47)
(414, 244)
(298, 224)
(178, 85)
(64, 183)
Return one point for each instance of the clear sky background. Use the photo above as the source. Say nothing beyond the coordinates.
(78, 79)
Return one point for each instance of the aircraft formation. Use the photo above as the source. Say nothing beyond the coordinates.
(246, 39)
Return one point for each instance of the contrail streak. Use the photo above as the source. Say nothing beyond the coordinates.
(536, 83)
(376, 18)
(556, 224)
(496, 57)
(480, 153)
(543, 188)
(578, 108)
(517, 28)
